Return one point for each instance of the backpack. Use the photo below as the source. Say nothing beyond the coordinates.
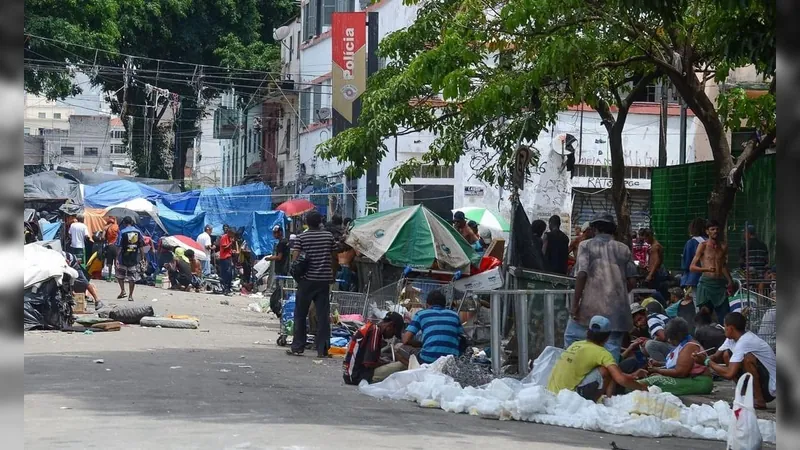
(299, 267)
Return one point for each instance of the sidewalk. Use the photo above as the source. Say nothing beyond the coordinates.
(725, 390)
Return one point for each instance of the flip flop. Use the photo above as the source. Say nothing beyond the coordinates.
(121, 296)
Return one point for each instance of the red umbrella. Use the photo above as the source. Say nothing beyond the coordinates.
(295, 207)
(186, 243)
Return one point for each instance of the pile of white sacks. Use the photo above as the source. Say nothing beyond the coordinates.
(646, 414)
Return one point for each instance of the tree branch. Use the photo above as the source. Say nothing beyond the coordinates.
(752, 151)
(624, 62)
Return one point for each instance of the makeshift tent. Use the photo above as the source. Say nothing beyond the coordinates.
(113, 193)
(181, 203)
(176, 223)
(50, 186)
(95, 178)
(49, 230)
(95, 218)
(234, 205)
(41, 264)
(259, 234)
(141, 206)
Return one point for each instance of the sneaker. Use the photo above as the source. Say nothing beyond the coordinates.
(98, 305)
(130, 299)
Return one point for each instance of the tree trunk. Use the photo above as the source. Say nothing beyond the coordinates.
(619, 192)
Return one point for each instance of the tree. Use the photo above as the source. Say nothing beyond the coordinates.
(164, 33)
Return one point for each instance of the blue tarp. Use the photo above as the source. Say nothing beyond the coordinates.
(49, 230)
(234, 205)
(259, 234)
(114, 192)
(182, 203)
(190, 225)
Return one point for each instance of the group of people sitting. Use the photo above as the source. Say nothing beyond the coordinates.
(184, 270)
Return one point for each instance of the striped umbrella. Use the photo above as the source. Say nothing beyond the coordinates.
(411, 236)
(485, 218)
(186, 243)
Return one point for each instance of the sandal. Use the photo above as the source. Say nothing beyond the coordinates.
(293, 353)
(121, 296)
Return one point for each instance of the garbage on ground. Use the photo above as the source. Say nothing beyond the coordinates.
(224, 301)
(167, 322)
(98, 361)
(254, 307)
(88, 321)
(646, 414)
(131, 314)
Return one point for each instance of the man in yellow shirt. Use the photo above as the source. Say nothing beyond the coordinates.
(587, 368)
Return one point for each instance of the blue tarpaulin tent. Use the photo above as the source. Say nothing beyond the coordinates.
(176, 223)
(114, 192)
(234, 205)
(259, 234)
(182, 203)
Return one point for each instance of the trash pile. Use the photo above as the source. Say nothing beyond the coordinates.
(48, 281)
(645, 414)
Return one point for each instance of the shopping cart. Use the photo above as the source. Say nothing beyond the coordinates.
(347, 305)
(759, 309)
(411, 292)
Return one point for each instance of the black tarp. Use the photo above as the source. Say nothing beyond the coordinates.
(94, 178)
(47, 306)
(524, 254)
(49, 186)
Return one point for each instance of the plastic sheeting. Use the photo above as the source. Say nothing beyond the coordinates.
(181, 203)
(49, 230)
(176, 223)
(51, 186)
(647, 414)
(112, 193)
(95, 178)
(234, 205)
(259, 234)
(42, 263)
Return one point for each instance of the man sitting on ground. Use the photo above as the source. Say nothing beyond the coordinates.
(657, 347)
(633, 357)
(587, 368)
(709, 334)
(363, 360)
(441, 332)
(742, 352)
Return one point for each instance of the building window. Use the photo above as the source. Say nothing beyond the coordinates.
(27, 131)
(42, 115)
(631, 172)
(291, 48)
(56, 115)
(430, 171)
(117, 149)
(328, 8)
(118, 134)
(90, 151)
(305, 107)
(288, 138)
(68, 151)
(319, 13)
(299, 40)
(317, 102)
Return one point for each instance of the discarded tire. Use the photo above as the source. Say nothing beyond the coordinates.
(165, 322)
(131, 314)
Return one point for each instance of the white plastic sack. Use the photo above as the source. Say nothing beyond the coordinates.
(744, 433)
(542, 366)
(261, 268)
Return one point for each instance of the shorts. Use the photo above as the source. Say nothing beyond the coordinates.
(130, 274)
(591, 387)
(763, 379)
(111, 253)
(699, 385)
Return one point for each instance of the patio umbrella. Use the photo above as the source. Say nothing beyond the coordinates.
(485, 218)
(121, 213)
(412, 236)
(186, 243)
(295, 207)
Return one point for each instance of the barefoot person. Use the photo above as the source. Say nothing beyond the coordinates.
(742, 352)
(715, 281)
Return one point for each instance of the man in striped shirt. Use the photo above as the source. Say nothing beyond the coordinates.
(318, 247)
(657, 347)
(441, 330)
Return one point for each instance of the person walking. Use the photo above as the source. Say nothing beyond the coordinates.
(227, 242)
(78, 232)
(556, 247)
(131, 257)
(110, 235)
(204, 239)
(604, 274)
(716, 283)
(317, 246)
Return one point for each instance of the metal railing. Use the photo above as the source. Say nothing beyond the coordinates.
(520, 298)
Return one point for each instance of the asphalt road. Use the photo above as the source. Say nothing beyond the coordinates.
(228, 386)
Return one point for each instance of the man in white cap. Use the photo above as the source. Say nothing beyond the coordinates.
(587, 368)
(604, 273)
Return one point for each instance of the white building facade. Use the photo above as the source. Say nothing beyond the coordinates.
(307, 56)
(91, 143)
(42, 114)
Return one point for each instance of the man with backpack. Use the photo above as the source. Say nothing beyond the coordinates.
(131, 257)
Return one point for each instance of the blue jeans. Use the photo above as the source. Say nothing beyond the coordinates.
(577, 332)
(226, 273)
(206, 265)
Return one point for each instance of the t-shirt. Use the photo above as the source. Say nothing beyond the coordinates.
(77, 234)
(363, 354)
(318, 246)
(608, 265)
(656, 322)
(756, 255)
(183, 267)
(112, 233)
(130, 243)
(441, 329)
(751, 343)
(690, 278)
(557, 251)
(226, 244)
(282, 248)
(204, 240)
(575, 363)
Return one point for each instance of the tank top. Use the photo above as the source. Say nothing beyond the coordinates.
(672, 358)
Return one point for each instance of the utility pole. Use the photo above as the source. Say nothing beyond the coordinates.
(683, 133)
(662, 135)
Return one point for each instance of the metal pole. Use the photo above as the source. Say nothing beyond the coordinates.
(494, 307)
(549, 320)
(521, 310)
(682, 141)
(662, 132)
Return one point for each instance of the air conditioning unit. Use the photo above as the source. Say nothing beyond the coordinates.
(324, 113)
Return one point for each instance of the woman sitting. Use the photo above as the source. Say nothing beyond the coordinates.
(680, 374)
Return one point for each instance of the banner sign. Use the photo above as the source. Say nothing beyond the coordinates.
(349, 72)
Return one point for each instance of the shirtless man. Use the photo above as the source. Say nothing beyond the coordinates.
(715, 282)
(656, 274)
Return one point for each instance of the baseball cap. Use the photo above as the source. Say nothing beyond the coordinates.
(459, 216)
(276, 228)
(486, 236)
(600, 324)
(636, 308)
(292, 237)
(585, 226)
(397, 320)
(608, 218)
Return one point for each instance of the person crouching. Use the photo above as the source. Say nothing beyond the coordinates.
(363, 360)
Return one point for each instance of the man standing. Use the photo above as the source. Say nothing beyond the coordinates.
(131, 257)
(111, 234)
(204, 239)
(754, 255)
(77, 235)
(605, 273)
(556, 247)
(226, 246)
(715, 282)
(280, 264)
(656, 273)
(317, 246)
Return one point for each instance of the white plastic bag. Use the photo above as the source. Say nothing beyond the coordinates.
(542, 366)
(744, 433)
(261, 267)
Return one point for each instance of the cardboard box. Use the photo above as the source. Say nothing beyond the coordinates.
(80, 303)
(490, 279)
